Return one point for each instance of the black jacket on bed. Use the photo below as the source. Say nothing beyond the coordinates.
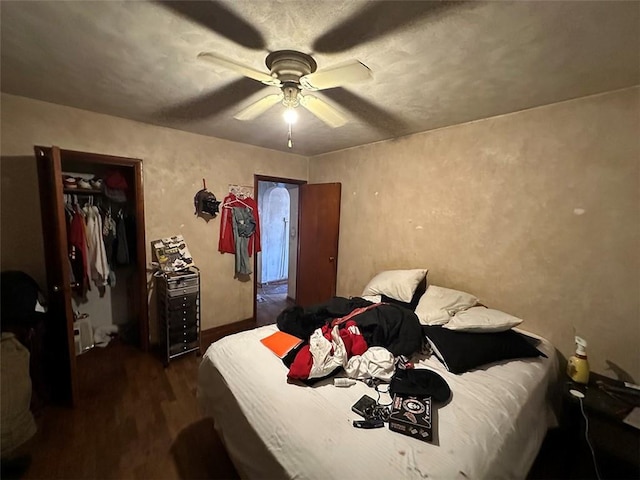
(390, 326)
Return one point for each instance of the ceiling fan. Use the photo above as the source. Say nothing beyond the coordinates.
(293, 73)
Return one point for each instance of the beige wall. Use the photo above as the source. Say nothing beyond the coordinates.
(174, 164)
(537, 213)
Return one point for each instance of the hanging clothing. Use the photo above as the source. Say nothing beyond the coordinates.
(226, 242)
(131, 234)
(109, 236)
(122, 249)
(78, 252)
(86, 249)
(72, 277)
(98, 264)
(244, 222)
(243, 229)
(74, 254)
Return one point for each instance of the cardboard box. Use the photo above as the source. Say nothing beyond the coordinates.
(411, 416)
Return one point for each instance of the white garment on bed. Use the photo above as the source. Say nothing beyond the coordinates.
(376, 362)
(327, 355)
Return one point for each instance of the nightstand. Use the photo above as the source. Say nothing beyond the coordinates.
(616, 444)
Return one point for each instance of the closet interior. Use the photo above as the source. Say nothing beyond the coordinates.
(92, 207)
(102, 283)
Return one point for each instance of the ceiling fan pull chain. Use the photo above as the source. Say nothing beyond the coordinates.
(290, 140)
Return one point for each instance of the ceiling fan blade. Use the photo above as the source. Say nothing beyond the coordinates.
(323, 111)
(376, 19)
(369, 113)
(214, 16)
(337, 76)
(211, 103)
(258, 108)
(245, 70)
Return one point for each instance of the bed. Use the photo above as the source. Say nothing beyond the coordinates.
(492, 427)
(501, 383)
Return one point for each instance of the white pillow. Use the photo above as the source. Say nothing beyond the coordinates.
(398, 284)
(372, 298)
(439, 304)
(481, 319)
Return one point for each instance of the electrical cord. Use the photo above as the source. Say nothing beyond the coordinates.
(378, 399)
(379, 411)
(586, 436)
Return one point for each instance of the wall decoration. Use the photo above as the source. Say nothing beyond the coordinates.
(172, 254)
(241, 191)
(206, 204)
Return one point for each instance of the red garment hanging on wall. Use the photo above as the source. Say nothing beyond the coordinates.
(226, 243)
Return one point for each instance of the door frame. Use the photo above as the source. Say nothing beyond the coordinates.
(57, 156)
(265, 178)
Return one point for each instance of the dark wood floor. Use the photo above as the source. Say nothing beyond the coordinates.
(135, 419)
(272, 299)
(139, 420)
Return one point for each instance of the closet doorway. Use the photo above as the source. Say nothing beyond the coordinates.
(276, 263)
(71, 182)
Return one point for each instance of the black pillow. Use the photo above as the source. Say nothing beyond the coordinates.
(464, 351)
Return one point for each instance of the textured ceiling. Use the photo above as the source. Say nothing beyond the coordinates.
(434, 63)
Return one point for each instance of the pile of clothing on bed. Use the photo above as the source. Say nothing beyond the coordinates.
(400, 314)
(353, 334)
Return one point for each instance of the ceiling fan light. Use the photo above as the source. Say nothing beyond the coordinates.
(290, 93)
(290, 116)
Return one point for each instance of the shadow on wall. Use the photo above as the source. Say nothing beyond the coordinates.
(619, 373)
(199, 453)
(20, 229)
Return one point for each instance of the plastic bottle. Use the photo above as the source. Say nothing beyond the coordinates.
(578, 365)
(343, 382)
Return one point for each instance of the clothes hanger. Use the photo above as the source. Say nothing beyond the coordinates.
(227, 204)
(241, 192)
(67, 204)
(77, 207)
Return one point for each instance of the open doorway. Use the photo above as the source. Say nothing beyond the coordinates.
(276, 264)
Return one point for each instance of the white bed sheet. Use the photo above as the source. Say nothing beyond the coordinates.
(492, 427)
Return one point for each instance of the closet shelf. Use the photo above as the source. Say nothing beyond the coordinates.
(82, 191)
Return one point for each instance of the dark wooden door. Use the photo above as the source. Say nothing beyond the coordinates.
(318, 230)
(59, 344)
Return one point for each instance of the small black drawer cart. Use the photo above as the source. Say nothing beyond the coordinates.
(179, 312)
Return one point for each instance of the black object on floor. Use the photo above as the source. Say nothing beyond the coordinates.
(15, 468)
